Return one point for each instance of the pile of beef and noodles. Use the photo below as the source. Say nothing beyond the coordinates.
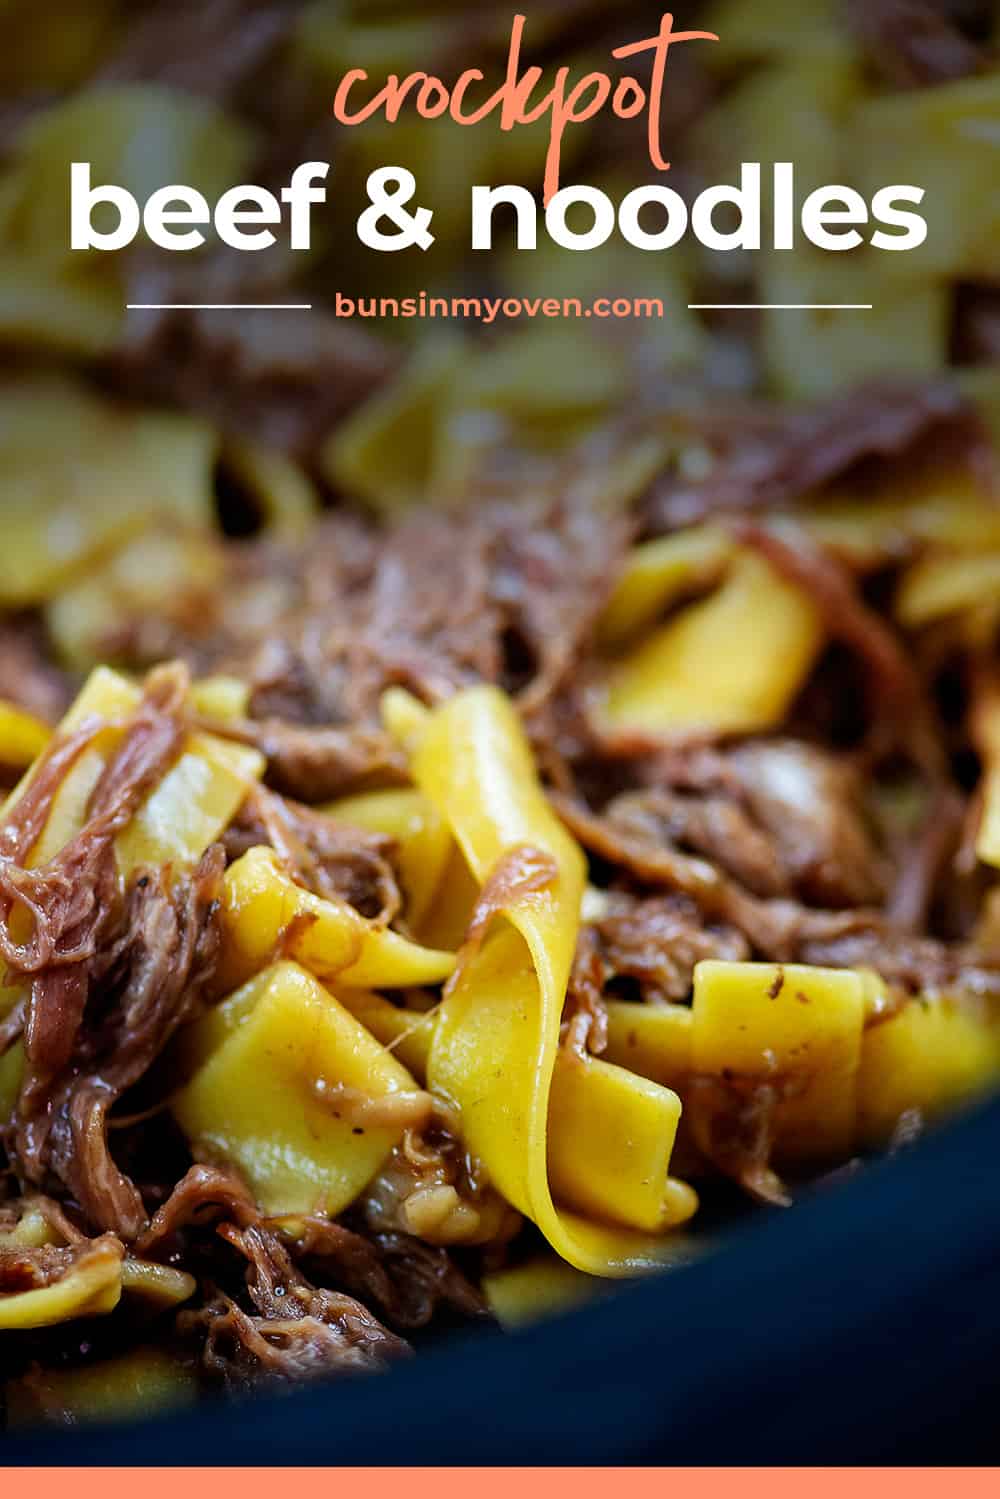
(726, 586)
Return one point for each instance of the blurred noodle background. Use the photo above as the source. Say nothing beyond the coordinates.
(166, 477)
(281, 412)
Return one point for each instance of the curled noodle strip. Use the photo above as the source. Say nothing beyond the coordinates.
(495, 1047)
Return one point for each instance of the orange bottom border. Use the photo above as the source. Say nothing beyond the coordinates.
(495, 1483)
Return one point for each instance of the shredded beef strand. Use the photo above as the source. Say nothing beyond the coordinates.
(73, 899)
(200, 46)
(901, 711)
(977, 325)
(204, 1195)
(659, 940)
(552, 579)
(280, 379)
(25, 821)
(12, 1025)
(733, 1124)
(432, 1188)
(914, 43)
(646, 858)
(773, 456)
(779, 930)
(329, 857)
(807, 805)
(428, 622)
(713, 826)
(296, 1331)
(523, 871)
(436, 602)
(408, 1281)
(27, 676)
(924, 859)
(165, 961)
(584, 1028)
(150, 979)
(317, 764)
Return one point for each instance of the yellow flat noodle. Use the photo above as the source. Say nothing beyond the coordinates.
(447, 921)
(266, 914)
(286, 495)
(22, 736)
(546, 1286)
(221, 697)
(159, 1285)
(937, 586)
(778, 30)
(813, 354)
(933, 1055)
(951, 130)
(168, 569)
(731, 663)
(404, 717)
(91, 1288)
(105, 695)
(542, 1288)
(192, 805)
(112, 474)
(611, 1133)
(406, 1033)
(795, 1026)
(138, 134)
(385, 451)
(877, 996)
(423, 841)
(988, 839)
(58, 310)
(611, 1136)
(136, 1384)
(494, 1050)
(264, 1092)
(653, 1040)
(11, 1063)
(658, 574)
(31, 1231)
(987, 726)
(937, 507)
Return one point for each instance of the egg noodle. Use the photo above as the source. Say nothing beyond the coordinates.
(479, 811)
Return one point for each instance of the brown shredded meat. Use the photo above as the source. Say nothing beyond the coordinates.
(330, 858)
(844, 835)
(899, 704)
(918, 42)
(779, 847)
(201, 46)
(774, 456)
(658, 940)
(319, 764)
(111, 978)
(272, 377)
(295, 1331)
(153, 975)
(27, 677)
(408, 1280)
